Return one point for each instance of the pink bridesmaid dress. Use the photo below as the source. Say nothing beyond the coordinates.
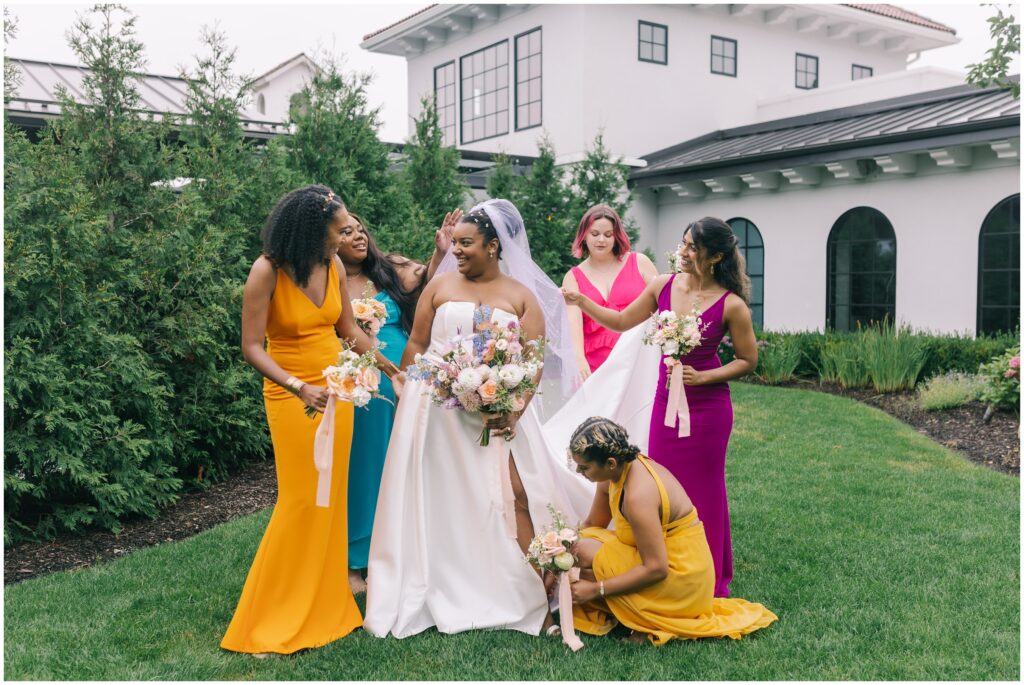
(598, 341)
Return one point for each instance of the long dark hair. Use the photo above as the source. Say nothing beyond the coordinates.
(381, 269)
(716, 237)
(293, 234)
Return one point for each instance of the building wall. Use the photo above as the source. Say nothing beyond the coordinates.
(936, 218)
(594, 82)
(561, 86)
(278, 92)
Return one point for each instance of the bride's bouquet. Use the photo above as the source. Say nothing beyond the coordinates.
(355, 378)
(369, 312)
(551, 550)
(488, 371)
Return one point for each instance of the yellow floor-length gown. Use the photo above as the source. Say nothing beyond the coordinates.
(683, 605)
(297, 593)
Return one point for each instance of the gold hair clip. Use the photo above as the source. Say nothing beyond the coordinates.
(329, 199)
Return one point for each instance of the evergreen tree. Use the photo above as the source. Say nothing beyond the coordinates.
(335, 143)
(431, 175)
(12, 75)
(995, 68)
(502, 181)
(543, 201)
(600, 179)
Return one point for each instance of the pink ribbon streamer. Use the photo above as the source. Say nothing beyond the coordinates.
(677, 407)
(569, 636)
(323, 454)
(508, 497)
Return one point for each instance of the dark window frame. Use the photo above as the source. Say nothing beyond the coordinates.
(639, 41)
(831, 272)
(797, 71)
(455, 93)
(855, 67)
(980, 305)
(462, 100)
(515, 78)
(745, 248)
(735, 58)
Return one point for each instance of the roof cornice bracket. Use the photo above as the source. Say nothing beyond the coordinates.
(1006, 149)
(959, 156)
(803, 175)
(899, 163)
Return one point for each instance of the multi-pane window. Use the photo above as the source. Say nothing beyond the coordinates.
(484, 92)
(859, 71)
(444, 96)
(861, 285)
(653, 43)
(723, 56)
(999, 268)
(528, 79)
(806, 71)
(752, 247)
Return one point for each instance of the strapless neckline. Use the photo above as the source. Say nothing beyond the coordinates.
(475, 305)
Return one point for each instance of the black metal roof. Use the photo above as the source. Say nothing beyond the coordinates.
(953, 115)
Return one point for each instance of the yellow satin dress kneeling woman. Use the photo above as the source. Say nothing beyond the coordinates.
(297, 593)
(683, 605)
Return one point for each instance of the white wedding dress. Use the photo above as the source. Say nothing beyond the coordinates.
(441, 553)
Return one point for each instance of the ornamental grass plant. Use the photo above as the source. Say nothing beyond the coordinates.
(893, 356)
(949, 390)
(777, 361)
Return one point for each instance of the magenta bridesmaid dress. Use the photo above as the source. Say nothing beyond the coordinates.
(698, 460)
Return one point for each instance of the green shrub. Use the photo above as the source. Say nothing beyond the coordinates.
(963, 352)
(893, 357)
(777, 360)
(1002, 390)
(951, 389)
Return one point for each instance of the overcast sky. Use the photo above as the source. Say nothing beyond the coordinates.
(269, 33)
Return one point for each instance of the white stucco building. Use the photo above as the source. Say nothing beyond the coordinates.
(858, 187)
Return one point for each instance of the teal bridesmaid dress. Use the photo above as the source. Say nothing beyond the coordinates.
(370, 434)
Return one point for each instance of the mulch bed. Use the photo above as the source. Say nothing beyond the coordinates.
(995, 444)
(249, 491)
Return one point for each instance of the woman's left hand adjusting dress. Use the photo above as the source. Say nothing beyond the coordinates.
(297, 593)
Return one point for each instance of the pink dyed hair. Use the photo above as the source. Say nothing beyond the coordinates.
(601, 211)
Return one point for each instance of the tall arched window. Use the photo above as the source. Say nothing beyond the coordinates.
(999, 268)
(261, 104)
(861, 270)
(752, 247)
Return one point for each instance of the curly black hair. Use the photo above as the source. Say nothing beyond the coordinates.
(598, 439)
(294, 233)
(382, 270)
(484, 226)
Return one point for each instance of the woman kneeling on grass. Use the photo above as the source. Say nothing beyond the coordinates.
(654, 572)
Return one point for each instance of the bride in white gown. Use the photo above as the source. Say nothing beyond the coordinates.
(452, 517)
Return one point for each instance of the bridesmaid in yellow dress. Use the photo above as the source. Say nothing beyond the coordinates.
(297, 593)
(654, 572)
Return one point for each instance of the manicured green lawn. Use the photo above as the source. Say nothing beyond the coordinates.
(884, 555)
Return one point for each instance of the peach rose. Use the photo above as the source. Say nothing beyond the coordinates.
(362, 310)
(488, 391)
(369, 378)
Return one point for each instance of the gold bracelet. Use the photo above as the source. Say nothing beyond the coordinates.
(294, 385)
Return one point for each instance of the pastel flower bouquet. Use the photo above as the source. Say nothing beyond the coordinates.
(677, 336)
(355, 378)
(369, 312)
(488, 371)
(551, 550)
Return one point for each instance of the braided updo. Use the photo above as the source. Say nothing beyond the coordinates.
(598, 439)
(294, 233)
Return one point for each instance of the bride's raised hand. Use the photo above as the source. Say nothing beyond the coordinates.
(443, 237)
